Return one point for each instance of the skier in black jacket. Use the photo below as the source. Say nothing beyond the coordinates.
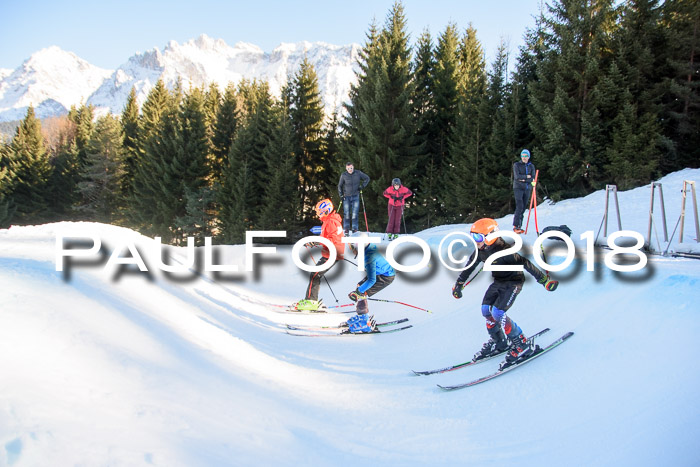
(500, 295)
(350, 185)
(523, 181)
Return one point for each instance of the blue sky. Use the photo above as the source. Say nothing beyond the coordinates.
(107, 33)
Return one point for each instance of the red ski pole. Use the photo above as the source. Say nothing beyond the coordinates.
(364, 210)
(533, 203)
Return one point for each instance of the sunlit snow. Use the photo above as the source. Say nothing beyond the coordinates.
(101, 366)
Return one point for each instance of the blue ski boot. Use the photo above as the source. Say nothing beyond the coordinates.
(361, 324)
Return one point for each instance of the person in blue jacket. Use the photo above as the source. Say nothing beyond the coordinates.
(379, 274)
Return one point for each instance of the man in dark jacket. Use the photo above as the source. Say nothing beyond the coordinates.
(500, 295)
(523, 181)
(351, 183)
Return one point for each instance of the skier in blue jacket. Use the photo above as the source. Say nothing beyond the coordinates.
(379, 274)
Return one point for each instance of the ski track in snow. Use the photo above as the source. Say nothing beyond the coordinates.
(130, 369)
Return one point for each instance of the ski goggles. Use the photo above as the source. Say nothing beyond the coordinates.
(478, 238)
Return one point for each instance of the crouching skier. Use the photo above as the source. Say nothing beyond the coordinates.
(500, 295)
(379, 274)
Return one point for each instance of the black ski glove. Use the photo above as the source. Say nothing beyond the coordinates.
(548, 283)
(457, 289)
(356, 295)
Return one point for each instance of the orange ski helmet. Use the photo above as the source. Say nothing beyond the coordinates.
(324, 207)
(481, 228)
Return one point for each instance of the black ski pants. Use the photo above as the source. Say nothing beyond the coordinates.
(522, 198)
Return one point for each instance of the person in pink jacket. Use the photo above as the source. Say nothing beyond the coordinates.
(397, 195)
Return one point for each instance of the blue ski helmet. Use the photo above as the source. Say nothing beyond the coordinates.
(396, 181)
(353, 246)
(525, 153)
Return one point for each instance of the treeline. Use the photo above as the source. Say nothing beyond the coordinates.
(600, 94)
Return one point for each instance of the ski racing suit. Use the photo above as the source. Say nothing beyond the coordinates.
(506, 286)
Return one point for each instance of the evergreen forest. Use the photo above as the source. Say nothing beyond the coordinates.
(602, 92)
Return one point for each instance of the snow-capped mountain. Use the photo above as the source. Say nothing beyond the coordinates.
(51, 80)
(198, 62)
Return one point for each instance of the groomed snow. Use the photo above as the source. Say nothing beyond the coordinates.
(118, 367)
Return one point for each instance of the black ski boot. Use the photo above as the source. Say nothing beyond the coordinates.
(495, 345)
(520, 349)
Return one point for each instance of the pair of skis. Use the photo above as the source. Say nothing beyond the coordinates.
(538, 352)
(322, 309)
(343, 330)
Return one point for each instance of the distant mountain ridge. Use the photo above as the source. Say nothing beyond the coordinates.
(52, 80)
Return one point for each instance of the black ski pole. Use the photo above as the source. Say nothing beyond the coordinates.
(324, 276)
(403, 217)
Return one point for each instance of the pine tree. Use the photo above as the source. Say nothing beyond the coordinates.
(130, 129)
(423, 172)
(157, 103)
(82, 117)
(32, 169)
(331, 150)
(354, 126)
(681, 113)
(632, 157)
(380, 121)
(306, 117)
(472, 67)
(281, 208)
(569, 129)
(68, 138)
(630, 96)
(446, 94)
(531, 52)
(7, 178)
(462, 177)
(189, 169)
(499, 153)
(199, 215)
(212, 103)
(102, 178)
(65, 176)
(447, 97)
(224, 132)
(240, 196)
(60, 136)
(158, 130)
